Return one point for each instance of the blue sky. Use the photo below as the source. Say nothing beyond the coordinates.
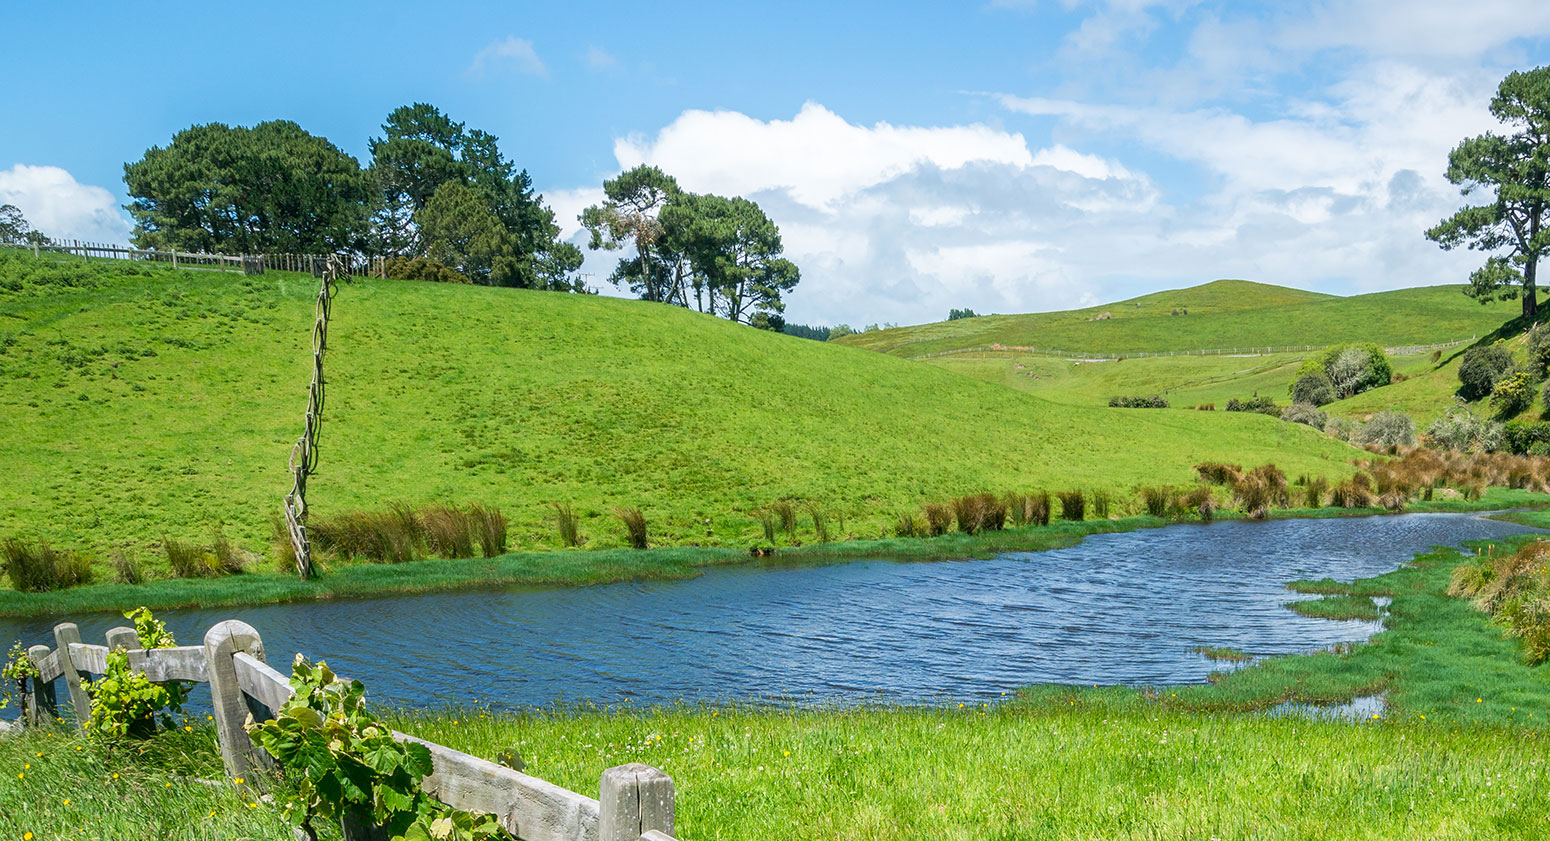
(1007, 156)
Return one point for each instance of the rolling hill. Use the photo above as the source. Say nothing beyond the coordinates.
(140, 402)
(1220, 314)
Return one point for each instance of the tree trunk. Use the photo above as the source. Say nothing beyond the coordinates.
(1530, 296)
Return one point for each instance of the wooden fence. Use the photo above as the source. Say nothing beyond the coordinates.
(245, 263)
(635, 802)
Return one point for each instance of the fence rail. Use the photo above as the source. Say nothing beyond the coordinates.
(1263, 350)
(244, 263)
(635, 802)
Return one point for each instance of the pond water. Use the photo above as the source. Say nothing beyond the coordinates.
(1115, 609)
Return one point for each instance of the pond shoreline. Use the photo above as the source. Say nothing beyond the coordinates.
(572, 568)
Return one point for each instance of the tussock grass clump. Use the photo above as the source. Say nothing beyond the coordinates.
(820, 522)
(634, 526)
(1515, 590)
(1101, 501)
(449, 531)
(975, 513)
(39, 567)
(1039, 509)
(224, 558)
(939, 518)
(492, 527)
(908, 525)
(1073, 505)
(787, 513)
(1228, 655)
(569, 525)
(1157, 500)
(1313, 491)
(127, 570)
(1351, 494)
(1019, 508)
(186, 559)
(767, 523)
(1218, 473)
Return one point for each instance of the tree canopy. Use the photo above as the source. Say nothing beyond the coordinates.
(706, 252)
(14, 227)
(1513, 170)
(272, 187)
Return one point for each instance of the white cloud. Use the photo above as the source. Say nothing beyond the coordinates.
(1435, 28)
(512, 53)
(61, 207)
(598, 58)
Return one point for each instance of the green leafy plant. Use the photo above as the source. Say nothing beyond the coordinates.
(126, 703)
(17, 671)
(344, 763)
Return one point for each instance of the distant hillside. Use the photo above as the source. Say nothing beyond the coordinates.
(139, 402)
(1221, 314)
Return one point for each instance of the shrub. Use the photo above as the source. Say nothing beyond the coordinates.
(1342, 429)
(1262, 405)
(1305, 413)
(39, 567)
(1462, 430)
(125, 702)
(1523, 436)
(422, 268)
(1512, 394)
(1388, 427)
(1218, 473)
(491, 525)
(634, 526)
(1313, 388)
(569, 525)
(1155, 401)
(1351, 368)
(939, 518)
(1073, 505)
(1539, 349)
(1481, 368)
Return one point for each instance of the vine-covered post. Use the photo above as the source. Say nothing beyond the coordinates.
(304, 456)
(66, 633)
(41, 705)
(222, 643)
(634, 799)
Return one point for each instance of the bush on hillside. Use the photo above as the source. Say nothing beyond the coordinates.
(1539, 349)
(1526, 437)
(1351, 368)
(1305, 413)
(1342, 429)
(1313, 388)
(1388, 428)
(1464, 431)
(1481, 369)
(422, 268)
(1512, 394)
(1262, 405)
(1155, 401)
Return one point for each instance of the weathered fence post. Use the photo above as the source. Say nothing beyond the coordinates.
(634, 799)
(222, 643)
(124, 639)
(66, 633)
(41, 706)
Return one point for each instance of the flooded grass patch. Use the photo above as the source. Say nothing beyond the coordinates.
(1339, 606)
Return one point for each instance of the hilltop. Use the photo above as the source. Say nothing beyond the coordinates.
(1221, 314)
(147, 401)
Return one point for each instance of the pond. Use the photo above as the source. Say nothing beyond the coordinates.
(1115, 609)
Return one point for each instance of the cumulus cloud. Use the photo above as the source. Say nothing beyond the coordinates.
(512, 53)
(61, 207)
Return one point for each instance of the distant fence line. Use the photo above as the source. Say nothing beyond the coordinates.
(635, 802)
(244, 263)
(1402, 350)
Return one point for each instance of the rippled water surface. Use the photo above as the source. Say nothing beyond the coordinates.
(1116, 609)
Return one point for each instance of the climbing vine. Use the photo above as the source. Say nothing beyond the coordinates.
(344, 764)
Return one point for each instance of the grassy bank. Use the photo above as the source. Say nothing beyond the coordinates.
(587, 567)
(145, 401)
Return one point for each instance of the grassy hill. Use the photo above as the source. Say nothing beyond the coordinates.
(1221, 314)
(140, 402)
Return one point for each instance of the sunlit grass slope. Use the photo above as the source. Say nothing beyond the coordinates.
(1221, 314)
(139, 402)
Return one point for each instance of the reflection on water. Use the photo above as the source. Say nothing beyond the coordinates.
(1116, 609)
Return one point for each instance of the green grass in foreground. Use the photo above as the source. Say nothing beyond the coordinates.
(145, 401)
(949, 773)
(602, 566)
(1338, 606)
